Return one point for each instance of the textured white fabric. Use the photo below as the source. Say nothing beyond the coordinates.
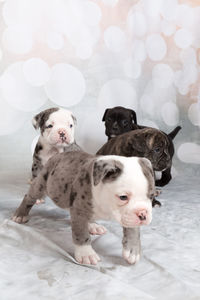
(37, 258)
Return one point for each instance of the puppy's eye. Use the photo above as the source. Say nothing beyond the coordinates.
(109, 119)
(125, 123)
(156, 150)
(70, 125)
(123, 197)
(49, 126)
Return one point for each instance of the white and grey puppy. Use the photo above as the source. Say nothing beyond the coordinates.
(56, 136)
(91, 187)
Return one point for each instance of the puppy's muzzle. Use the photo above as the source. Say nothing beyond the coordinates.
(137, 217)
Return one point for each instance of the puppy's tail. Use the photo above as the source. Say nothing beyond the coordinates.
(174, 132)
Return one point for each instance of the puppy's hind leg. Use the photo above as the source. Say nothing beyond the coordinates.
(36, 191)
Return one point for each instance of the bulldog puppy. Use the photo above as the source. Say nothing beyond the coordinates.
(56, 135)
(114, 119)
(91, 187)
(147, 142)
(118, 120)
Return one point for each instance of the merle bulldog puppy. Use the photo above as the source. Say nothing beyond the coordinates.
(118, 120)
(96, 187)
(56, 136)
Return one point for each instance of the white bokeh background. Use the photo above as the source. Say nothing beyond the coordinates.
(86, 56)
(91, 55)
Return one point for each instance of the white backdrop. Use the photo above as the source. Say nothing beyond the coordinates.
(91, 55)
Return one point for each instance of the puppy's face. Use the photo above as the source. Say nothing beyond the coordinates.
(154, 145)
(118, 120)
(56, 126)
(125, 190)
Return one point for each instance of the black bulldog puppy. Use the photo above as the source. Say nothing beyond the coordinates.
(114, 119)
(119, 120)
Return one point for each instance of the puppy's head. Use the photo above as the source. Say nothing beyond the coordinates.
(152, 144)
(56, 126)
(123, 187)
(118, 120)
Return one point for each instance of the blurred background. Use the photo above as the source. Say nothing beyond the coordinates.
(87, 56)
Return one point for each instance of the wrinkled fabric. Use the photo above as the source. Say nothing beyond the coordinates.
(37, 257)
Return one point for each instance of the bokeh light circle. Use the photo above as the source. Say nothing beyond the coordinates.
(66, 85)
(18, 92)
(170, 113)
(36, 71)
(17, 39)
(114, 38)
(156, 47)
(183, 38)
(163, 75)
(189, 153)
(117, 92)
(194, 114)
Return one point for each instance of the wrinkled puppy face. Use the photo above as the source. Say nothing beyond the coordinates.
(118, 120)
(56, 126)
(124, 190)
(158, 146)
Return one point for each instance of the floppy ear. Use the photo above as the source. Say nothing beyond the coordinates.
(38, 120)
(105, 113)
(133, 115)
(106, 170)
(74, 119)
(146, 167)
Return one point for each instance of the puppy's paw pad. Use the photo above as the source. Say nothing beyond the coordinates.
(39, 201)
(130, 256)
(96, 229)
(86, 255)
(20, 219)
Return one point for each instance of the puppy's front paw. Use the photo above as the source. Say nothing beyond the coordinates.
(86, 255)
(96, 229)
(20, 219)
(131, 256)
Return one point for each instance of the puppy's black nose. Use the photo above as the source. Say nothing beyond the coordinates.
(62, 134)
(142, 217)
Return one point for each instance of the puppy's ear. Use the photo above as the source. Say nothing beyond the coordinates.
(105, 113)
(133, 115)
(38, 120)
(146, 167)
(106, 170)
(74, 119)
(174, 132)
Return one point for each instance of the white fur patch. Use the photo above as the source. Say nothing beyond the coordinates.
(130, 257)
(86, 255)
(97, 229)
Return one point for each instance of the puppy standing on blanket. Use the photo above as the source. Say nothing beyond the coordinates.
(105, 187)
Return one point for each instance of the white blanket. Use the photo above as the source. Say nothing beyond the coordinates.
(37, 258)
